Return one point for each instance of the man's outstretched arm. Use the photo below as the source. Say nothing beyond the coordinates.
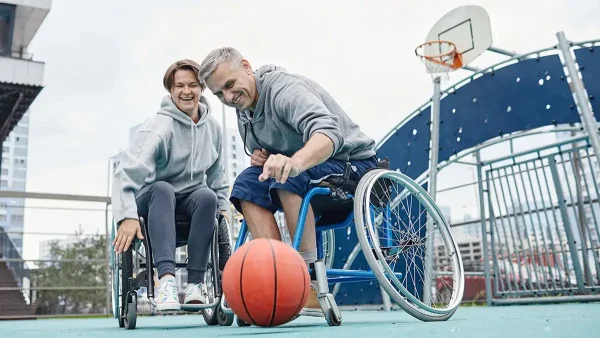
(317, 150)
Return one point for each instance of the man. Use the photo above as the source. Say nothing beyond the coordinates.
(299, 135)
(173, 165)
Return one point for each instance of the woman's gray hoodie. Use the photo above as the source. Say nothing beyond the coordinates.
(171, 147)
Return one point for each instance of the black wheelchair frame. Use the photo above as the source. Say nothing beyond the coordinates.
(130, 263)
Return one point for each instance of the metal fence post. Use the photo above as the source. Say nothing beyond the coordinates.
(486, 262)
(585, 110)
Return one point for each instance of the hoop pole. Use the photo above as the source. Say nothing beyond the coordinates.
(433, 163)
(583, 103)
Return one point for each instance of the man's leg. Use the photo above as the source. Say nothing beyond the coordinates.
(201, 207)
(291, 204)
(261, 222)
(157, 201)
(251, 198)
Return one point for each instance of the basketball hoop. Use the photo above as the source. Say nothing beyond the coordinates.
(439, 57)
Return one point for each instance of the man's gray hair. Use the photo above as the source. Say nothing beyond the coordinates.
(215, 58)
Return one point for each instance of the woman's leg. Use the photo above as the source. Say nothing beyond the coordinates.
(156, 203)
(201, 206)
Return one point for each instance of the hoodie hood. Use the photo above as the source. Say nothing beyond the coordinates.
(168, 108)
(263, 78)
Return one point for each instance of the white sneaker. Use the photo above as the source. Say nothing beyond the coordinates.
(195, 294)
(167, 297)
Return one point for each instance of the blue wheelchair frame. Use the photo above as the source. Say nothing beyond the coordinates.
(333, 275)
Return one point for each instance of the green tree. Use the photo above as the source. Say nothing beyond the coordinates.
(76, 265)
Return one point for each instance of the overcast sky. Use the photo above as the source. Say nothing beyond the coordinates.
(105, 61)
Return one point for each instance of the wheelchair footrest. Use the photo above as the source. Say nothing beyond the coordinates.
(312, 313)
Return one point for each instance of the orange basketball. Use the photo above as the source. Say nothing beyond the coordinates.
(266, 282)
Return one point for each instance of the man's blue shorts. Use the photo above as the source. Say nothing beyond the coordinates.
(247, 187)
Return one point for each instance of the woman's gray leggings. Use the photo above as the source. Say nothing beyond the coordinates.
(158, 204)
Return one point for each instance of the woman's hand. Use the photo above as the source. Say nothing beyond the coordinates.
(128, 230)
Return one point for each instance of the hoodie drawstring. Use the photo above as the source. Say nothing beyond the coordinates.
(192, 129)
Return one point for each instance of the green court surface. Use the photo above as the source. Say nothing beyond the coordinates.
(564, 320)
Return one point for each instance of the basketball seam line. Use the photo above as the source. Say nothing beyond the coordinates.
(275, 292)
(242, 284)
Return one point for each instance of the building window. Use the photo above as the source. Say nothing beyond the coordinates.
(20, 152)
(233, 156)
(4, 171)
(4, 183)
(20, 174)
(7, 20)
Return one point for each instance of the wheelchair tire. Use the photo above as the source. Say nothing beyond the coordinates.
(126, 281)
(224, 319)
(130, 318)
(240, 322)
(210, 315)
(377, 255)
(225, 242)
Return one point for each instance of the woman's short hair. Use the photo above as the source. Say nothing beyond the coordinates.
(184, 64)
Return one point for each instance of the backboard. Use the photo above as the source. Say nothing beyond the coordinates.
(468, 27)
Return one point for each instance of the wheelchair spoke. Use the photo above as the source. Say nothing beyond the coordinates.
(399, 220)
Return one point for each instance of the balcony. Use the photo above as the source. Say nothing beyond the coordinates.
(21, 71)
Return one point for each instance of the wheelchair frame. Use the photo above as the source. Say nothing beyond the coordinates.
(130, 264)
(318, 272)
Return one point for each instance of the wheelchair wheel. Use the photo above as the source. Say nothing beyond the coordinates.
(221, 249)
(328, 248)
(128, 297)
(398, 226)
(240, 322)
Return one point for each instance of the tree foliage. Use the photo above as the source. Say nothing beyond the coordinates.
(74, 264)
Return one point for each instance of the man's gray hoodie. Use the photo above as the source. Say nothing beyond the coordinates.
(290, 109)
(171, 147)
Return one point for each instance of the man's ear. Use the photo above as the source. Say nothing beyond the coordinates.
(246, 66)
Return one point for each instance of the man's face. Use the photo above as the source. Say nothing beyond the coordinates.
(186, 91)
(234, 85)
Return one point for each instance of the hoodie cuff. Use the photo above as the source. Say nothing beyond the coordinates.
(223, 204)
(119, 217)
(336, 138)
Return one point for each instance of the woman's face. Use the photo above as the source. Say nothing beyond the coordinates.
(186, 91)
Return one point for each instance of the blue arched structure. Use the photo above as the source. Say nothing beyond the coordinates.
(522, 93)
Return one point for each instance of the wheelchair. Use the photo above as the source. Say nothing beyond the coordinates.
(134, 269)
(389, 228)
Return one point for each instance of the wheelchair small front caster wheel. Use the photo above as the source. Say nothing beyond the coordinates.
(332, 318)
(240, 322)
(223, 318)
(131, 313)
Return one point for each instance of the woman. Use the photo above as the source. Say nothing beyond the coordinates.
(174, 165)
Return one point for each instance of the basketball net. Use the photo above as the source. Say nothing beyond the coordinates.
(439, 57)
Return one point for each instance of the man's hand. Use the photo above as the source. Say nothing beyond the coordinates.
(259, 157)
(280, 168)
(128, 229)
